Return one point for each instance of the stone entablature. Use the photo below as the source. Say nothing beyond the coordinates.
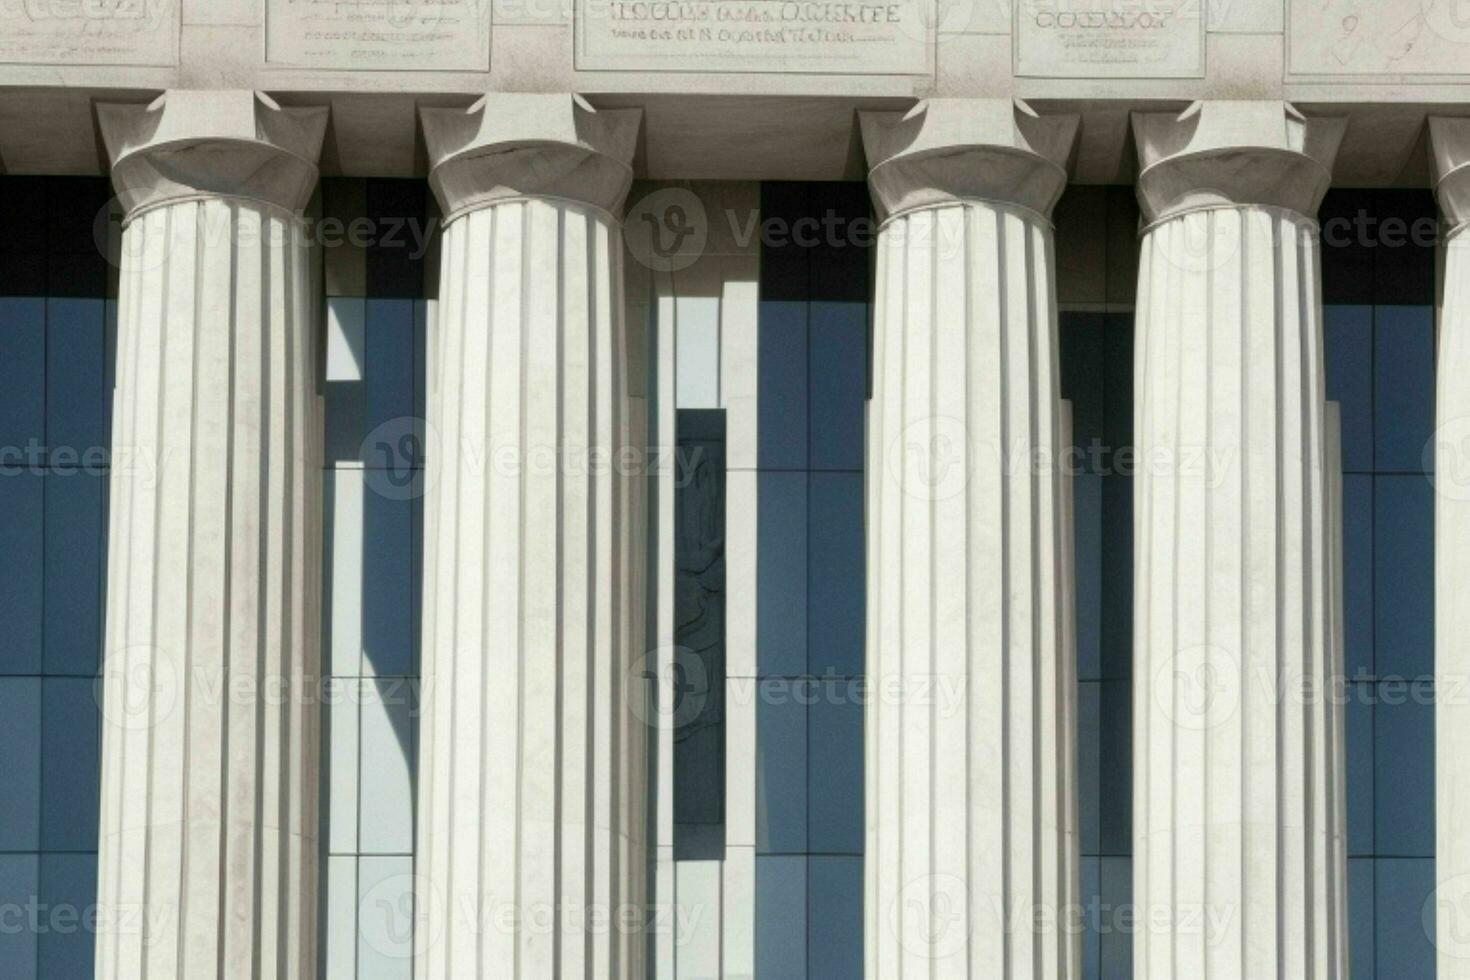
(783, 110)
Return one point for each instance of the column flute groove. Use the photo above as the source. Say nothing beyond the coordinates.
(207, 853)
(531, 847)
(971, 854)
(1237, 746)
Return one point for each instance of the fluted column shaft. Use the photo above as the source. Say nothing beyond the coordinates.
(1236, 821)
(971, 867)
(207, 863)
(1451, 451)
(532, 784)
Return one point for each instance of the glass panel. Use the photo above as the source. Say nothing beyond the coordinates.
(1359, 750)
(76, 536)
(780, 917)
(23, 393)
(20, 790)
(1379, 355)
(835, 768)
(835, 932)
(1361, 917)
(386, 918)
(68, 906)
(69, 783)
(781, 770)
(373, 517)
(1089, 760)
(1357, 569)
(1403, 724)
(75, 354)
(836, 586)
(21, 541)
(1403, 404)
(1349, 356)
(1402, 945)
(19, 887)
(781, 576)
(1403, 575)
(1119, 918)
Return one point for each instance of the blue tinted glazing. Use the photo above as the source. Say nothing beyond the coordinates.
(69, 783)
(22, 537)
(1380, 367)
(781, 771)
(1403, 939)
(1403, 404)
(1403, 575)
(836, 586)
(75, 530)
(835, 930)
(1403, 729)
(781, 573)
(811, 581)
(781, 917)
(68, 895)
(1348, 334)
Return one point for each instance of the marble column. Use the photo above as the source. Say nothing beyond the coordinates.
(1450, 146)
(207, 863)
(970, 837)
(532, 777)
(1233, 836)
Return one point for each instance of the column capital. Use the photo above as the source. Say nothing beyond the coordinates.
(220, 143)
(1449, 154)
(1234, 154)
(947, 150)
(513, 145)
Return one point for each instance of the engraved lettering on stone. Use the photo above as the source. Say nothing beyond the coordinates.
(395, 34)
(839, 36)
(1110, 38)
(89, 32)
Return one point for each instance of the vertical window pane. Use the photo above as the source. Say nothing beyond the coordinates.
(836, 583)
(69, 901)
(835, 933)
(23, 393)
(70, 781)
(21, 541)
(1403, 576)
(780, 917)
(76, 534)
(1403, 403)
(1403, 783)
(781, 577)
(781, 771)
(20, 790)
(1401, 944)
(1349, 355)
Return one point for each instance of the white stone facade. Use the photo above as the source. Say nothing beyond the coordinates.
(544, 767)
